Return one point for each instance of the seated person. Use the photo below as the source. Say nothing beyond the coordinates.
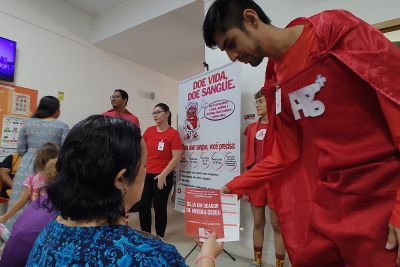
(25, 231)
(8, 168)
(101, 171)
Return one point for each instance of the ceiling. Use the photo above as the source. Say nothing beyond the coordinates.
(393, 36)
(170, 44)
(94, 7)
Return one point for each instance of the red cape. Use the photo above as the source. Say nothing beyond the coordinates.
(366, 52)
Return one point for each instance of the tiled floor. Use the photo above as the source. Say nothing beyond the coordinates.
(175, 235)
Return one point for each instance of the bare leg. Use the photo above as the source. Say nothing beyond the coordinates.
(258, 232)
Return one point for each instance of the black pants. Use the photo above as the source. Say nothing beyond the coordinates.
(159, 198)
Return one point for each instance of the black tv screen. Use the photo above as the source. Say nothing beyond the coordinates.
(8, 50)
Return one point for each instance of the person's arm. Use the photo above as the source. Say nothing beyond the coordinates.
(285, 150)
(5, 170)
(245, 169)
(5, 176)
(176, 157)
(137, 122)
(173, 195)
(391, 112)
(209, 251)
(22, 145)
(22, 200)
(65, 131)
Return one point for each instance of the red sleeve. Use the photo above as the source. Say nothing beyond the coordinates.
(28, 182)
(145, 134)
(176, 142)
(246, 130)
(137, 122)
(284, 151)
(362, 48)
(391, 111)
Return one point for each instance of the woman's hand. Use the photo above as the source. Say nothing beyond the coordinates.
(173, 196)
(162, 181)
(211, 247)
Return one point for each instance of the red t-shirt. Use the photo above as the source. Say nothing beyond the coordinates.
(261, 133)
(159, 147)
(124, 115)
(259, 136)
(292, 61)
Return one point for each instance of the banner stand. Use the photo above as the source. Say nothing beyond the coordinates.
(209, 101)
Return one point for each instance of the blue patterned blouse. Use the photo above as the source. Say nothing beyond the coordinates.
(115, 245)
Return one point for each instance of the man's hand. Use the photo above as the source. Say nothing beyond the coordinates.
(225, 190)
(393, 241)
(245, 197)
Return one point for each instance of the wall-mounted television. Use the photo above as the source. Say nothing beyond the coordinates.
(8, 49)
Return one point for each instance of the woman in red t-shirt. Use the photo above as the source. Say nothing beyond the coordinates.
(164, 148)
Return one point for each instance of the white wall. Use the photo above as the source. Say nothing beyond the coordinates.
(52, 62)
(54, 15)
(281, 13)
(131, 13)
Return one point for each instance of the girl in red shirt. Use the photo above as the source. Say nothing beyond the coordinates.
(164, 147)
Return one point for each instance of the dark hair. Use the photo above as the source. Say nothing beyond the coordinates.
(48, 105)
(226, 14)
(166, 109)
(45, 153)
(94, 152)
(259, 94)
(123, 93)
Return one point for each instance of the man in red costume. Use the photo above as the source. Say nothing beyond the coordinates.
(334, 137)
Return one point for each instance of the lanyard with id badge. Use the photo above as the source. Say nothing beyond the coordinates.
(161, 145)
(278, 100)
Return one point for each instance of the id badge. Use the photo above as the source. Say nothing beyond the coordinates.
(278, 100)
(161, 146)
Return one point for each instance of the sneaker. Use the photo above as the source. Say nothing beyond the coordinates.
(254, 264)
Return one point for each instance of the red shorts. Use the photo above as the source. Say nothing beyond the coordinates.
(261, 197)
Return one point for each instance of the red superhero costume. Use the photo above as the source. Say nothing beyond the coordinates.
(253, 154)
(333, 161)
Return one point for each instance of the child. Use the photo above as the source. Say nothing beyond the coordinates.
(256, 134)
(44, 167)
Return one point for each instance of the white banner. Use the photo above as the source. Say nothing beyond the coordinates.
(209, 124)
(10, 131)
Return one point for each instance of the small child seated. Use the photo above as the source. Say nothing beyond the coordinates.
(45, 169)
